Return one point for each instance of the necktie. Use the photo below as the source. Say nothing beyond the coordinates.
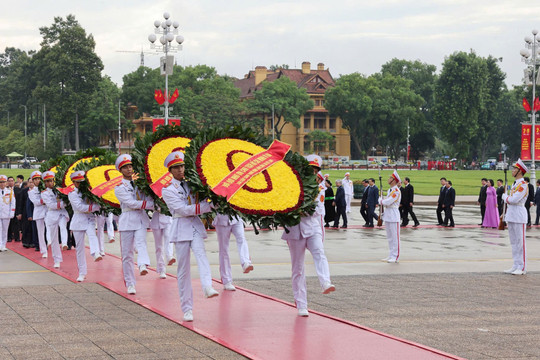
(2, 192)
(132, 184)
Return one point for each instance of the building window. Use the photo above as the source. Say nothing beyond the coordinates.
(319, 121)
(307, 146)
(319, 146)
(307, 124)
(333, 125)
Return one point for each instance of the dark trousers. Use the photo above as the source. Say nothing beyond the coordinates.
(501, 206)
(448, 216)
(13, 230)
(537, 214)
(27, 238)
(483, 211)
(371, 214)
(35, 239)
(364, 212)
(405, 211)
(528, 208)
(440, 209)
(341, 212)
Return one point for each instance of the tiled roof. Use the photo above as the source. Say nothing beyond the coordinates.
(325, 80)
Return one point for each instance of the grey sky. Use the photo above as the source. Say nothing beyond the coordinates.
(234, 36)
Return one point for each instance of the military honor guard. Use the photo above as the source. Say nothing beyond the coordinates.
(7, 211)
(225, 226)
(187, 232)
(391, 217)
(56, 218)
(100, 221)
(39, 212)
(160, 225)
(83, 222)
(308, 235)
(516, 218)
(349, 191)
(132, 223)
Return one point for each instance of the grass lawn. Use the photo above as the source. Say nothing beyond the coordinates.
(14, 172)
(426, 182)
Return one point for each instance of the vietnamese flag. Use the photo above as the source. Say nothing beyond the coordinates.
(174, 96)
(158, 95)
(526, 105)
(536, 105)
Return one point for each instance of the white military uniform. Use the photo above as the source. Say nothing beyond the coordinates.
(7, 212)
(308, 234)
(224, 227)
(56, 217)
(516, 218)
(100, 222)
(132, 225)
(161, 226)
(83, 222)
(187, 231)
(348, 188)
(391, 218)
(40, 210)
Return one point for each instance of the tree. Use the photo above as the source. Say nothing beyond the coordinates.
(319, 138)
(68, 73)
(289, 101)
(460, 95)
(277, 67)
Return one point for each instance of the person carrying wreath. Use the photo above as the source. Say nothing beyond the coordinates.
(132, 222)
(187, 232)
(83, 222)
(309, 235)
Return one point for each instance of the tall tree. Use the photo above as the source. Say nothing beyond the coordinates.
(69, 72)
(460, 95)
(289, 101)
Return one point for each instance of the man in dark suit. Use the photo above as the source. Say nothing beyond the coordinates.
(372, 202)
(363, 203)
(341, 205)
(530, 199)
(440, 202)
(482, 199)
(407, 200)
(448, 204)
(500, 192)
(537, 201)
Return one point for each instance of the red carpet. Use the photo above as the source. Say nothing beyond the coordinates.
(252, 324)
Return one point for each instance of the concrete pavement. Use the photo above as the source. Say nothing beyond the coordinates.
(447, 292)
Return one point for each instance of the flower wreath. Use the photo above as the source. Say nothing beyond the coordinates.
(98, 172)
(277, 196)
(149, 154)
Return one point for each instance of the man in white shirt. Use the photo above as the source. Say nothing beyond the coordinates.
(349, 191)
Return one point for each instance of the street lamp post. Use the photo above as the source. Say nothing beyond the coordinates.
(532, 59)
(25, 111)
(167, 29)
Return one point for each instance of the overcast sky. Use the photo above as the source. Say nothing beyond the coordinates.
(235, 36)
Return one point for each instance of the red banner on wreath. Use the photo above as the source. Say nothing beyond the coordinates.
(237, 178)
(107, 186)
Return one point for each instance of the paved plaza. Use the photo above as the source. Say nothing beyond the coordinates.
(447, 292)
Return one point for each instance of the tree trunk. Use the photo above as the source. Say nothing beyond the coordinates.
(356, 147)
(76, 130)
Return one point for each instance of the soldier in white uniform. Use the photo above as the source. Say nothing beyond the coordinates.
(516, 218)
(391, 217)
(7, 211)
(56, 217)
(308, 235)
(224, 227)
(40, 210)
(187, 232)
(161, 225)
(348, 188)
(132, 223)
(83, 222)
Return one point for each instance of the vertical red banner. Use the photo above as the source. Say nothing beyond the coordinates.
(537, 142)
(526, 142)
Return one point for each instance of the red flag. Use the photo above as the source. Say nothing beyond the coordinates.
(158, 95)
(174, 96)
(536, 104)
(526, 105)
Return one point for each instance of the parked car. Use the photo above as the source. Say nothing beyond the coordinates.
(30, 159)
(485, 166)
(501, 165)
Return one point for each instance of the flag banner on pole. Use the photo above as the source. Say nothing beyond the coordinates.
(536, 104)
(537, 142)
(526, 142)
(526, 105)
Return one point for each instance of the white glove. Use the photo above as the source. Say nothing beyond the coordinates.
(205, 207)
(95, 207)
(504, 197)
(380, 200)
